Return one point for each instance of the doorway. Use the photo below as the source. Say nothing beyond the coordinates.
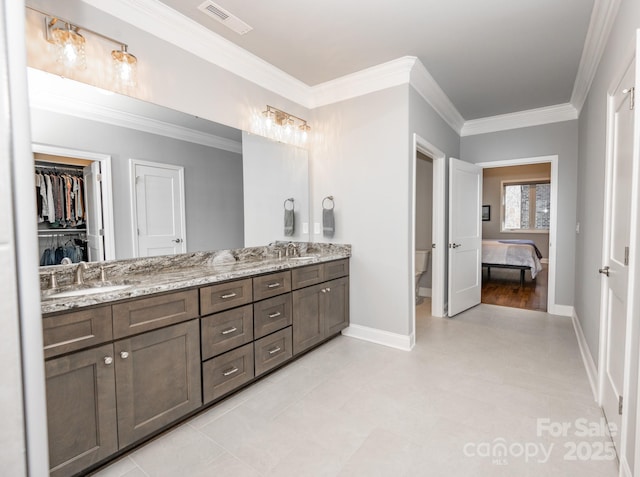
(550, 266)
(96, 168)
(516, 201)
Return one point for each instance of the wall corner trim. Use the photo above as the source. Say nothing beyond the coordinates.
(520, 119)
(386, 338)
(587, 358)
(603, 17)
(376, 78)
(433, 94)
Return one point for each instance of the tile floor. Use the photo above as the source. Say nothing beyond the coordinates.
(465, 402)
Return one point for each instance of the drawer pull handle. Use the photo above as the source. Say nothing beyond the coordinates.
(108, 360)
(275, 350)
(273, 285)
(124, 354)
(228, 295)
(231, 371)
(230, 330)
(275, 315)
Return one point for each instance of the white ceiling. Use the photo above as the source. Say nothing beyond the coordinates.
(490, 57)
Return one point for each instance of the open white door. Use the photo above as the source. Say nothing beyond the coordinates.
(93, 206)
(159, 210)
(465, 235)
(617, 238)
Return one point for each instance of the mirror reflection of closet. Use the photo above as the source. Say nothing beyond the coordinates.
(69, 202)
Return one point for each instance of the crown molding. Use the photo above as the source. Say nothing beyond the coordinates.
(379, 77)
(169, 25)
(58, 99)
(603, 17)
(520, 119)
(430, 90)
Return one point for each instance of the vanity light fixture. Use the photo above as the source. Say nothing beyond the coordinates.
(282, 127)
(69, 45)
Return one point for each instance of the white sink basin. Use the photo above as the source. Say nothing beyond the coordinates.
(87, 291)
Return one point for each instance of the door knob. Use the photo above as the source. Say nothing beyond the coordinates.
(604, 271)
(178, 240)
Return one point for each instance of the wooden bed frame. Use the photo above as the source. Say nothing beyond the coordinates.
(522, 268)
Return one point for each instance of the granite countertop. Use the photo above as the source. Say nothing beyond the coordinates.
(141, 277)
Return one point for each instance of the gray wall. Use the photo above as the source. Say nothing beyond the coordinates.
(492, 195)
(213, 177)
(363, 163)
(273, 172)
(551, 139)
(591, 174)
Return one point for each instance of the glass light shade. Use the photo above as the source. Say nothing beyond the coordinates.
(124, 67)
(69, 48)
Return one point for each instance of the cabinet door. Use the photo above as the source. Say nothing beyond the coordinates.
(336, 310)
(308, 320)
(81, 410)
(157, 379)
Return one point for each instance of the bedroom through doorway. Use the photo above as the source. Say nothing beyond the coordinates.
(516, 229)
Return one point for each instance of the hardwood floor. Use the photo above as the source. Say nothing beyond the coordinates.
(504, 289)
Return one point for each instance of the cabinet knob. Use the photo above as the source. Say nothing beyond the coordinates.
(124, 354)
(108, 360)
(324, 290)
(328, 289)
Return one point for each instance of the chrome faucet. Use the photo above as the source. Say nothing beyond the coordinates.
(82, 266)
(293, 246)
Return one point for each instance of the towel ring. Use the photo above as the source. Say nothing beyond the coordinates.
(333, 204)
(292, 203)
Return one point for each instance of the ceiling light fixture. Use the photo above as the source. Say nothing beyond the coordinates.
(281, 126)
(70, 49)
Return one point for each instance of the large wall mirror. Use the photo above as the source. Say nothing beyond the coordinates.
(235, 185)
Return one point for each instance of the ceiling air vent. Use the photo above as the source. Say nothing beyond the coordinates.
(227, 19)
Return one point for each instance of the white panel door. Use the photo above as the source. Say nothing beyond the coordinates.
(159, 213)
(615, 271)
(465, 236)
(93, 207)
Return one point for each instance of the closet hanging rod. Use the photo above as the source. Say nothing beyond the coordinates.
(62, 234)
(59, 168)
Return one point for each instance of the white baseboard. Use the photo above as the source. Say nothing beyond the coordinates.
(386, 338)
(562, 310)
(426, 292)
(587, 358)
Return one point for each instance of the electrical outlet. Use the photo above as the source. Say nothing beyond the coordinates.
(316, 228)
(305, 227)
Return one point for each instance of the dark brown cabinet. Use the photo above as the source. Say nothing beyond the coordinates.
(319, 311)
(81, 410)
(118, 373)
(157, 379)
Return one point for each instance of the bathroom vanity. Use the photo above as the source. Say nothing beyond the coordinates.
(171, 336)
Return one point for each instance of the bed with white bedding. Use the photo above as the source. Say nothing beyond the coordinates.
(515, 254)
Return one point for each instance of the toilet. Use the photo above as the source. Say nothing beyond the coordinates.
(421, 266)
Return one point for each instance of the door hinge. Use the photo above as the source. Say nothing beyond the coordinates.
(620, 405)
(632, 97)
(138, 231)
(626, 255)
(98, 177)
(101, 232)
(433, 245)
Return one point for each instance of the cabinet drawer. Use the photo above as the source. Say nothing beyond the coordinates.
(337, 269)
(76, 330)
(273, 350)
(220, 297)
(271, 315)
(227, 330)
(147, 314)
(306, 276)
(271, 285)
(227, 372)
